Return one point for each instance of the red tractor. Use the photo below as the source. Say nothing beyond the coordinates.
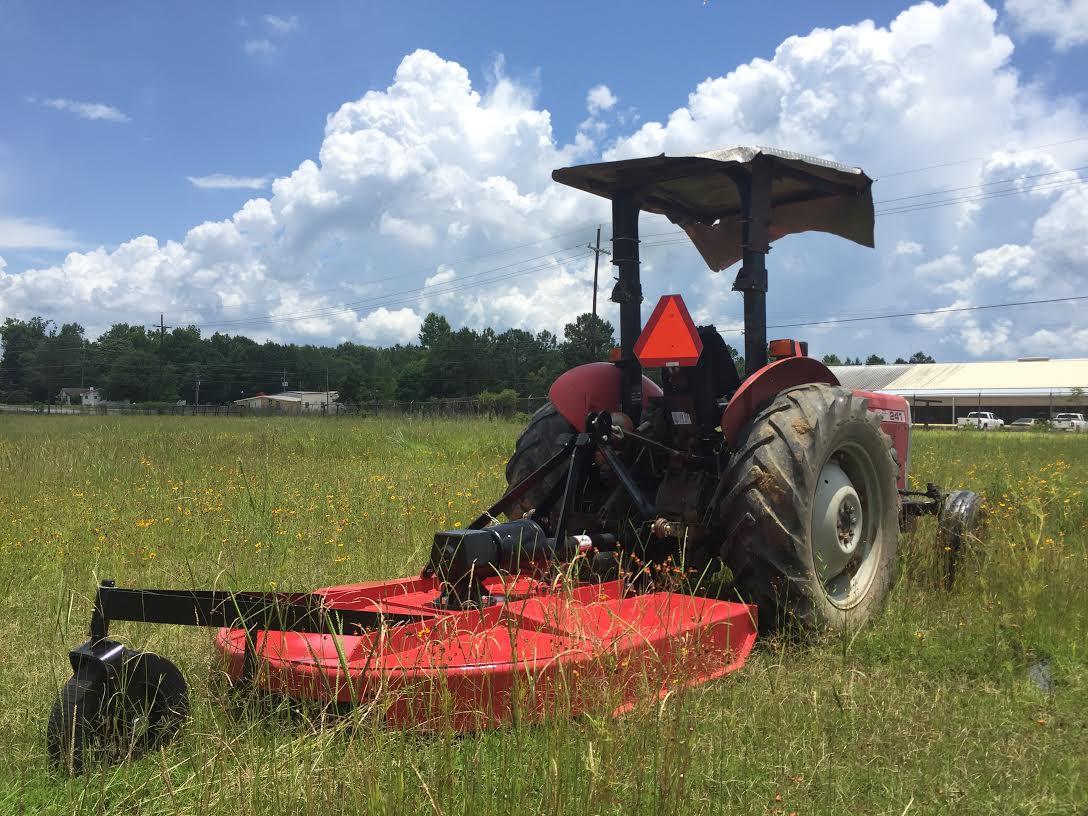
(795, 484)
(650, 529)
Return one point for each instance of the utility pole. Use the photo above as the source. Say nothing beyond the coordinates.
(162, 327)
(326, 389)
(283, 382)
(597, 252)
(196, 399)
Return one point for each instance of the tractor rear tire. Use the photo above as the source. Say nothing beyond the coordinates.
(811, 512)
(535, 446)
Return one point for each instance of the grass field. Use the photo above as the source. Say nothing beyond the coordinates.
(933, 709)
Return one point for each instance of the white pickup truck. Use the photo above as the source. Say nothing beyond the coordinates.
(1070, 422)
(983, 420)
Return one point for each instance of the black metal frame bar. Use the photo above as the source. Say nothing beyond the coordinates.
(253, 611)
(271, 611)
(521, 488)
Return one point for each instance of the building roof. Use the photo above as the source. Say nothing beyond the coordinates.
(271, 397)
(75, 391)
(303, 394)
(1025, 377)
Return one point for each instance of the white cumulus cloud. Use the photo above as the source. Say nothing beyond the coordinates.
(600, 98)
(435, 192)
(1063, 21)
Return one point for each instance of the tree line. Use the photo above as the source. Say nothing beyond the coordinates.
(876, 359)
(137, 364)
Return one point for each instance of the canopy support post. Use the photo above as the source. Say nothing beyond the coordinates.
(628, 294)
(751, 281)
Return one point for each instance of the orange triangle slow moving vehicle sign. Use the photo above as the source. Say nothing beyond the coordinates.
(670, 338)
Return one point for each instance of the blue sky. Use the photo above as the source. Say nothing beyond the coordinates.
(110, 112)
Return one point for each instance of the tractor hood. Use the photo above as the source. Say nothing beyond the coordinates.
(700, 193)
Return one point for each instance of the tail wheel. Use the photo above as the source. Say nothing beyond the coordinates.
(959, 525)
(103, 720)
(535, 446)
(811, 511)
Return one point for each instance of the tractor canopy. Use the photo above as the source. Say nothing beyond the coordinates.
(705, 195)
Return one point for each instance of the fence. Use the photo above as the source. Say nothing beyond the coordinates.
(436, 407)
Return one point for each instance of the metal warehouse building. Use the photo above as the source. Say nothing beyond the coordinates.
(942, 392)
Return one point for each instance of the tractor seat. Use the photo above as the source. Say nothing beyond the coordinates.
(697, 391)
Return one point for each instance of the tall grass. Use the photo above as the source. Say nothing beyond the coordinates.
(941, 706)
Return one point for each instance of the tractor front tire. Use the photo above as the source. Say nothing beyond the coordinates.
(810, 512)
(535, 446)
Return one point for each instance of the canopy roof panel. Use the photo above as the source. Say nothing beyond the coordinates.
(702, 194)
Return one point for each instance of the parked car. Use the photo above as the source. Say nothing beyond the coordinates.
(983, 420)
(1070, 422)
(1027, 424)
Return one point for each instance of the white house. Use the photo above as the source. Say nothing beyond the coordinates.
(86, 396)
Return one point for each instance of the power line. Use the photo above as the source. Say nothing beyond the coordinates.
(948, 202)
(420, 293)
(974, 159)
(919, 206)
(825, 322)
(420, 271)
(424, 292)
(945, 310)
(1012, 180)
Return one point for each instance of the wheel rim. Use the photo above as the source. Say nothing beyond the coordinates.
(846, 540)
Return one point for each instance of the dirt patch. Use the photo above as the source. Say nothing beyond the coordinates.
(770, 487)
(801, 426)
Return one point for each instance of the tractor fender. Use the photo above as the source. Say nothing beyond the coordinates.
(894, 413)
(593, 387)
(771, 380)
(766, 384)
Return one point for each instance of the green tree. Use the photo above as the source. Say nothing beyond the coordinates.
(350, 389)
(921, 357)
(832, 360)
(410, 382)
(55, 363)
(434, 330)
(874, 359)
(738, 361)
(20, 338)
(134, 377)
(588, 339)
